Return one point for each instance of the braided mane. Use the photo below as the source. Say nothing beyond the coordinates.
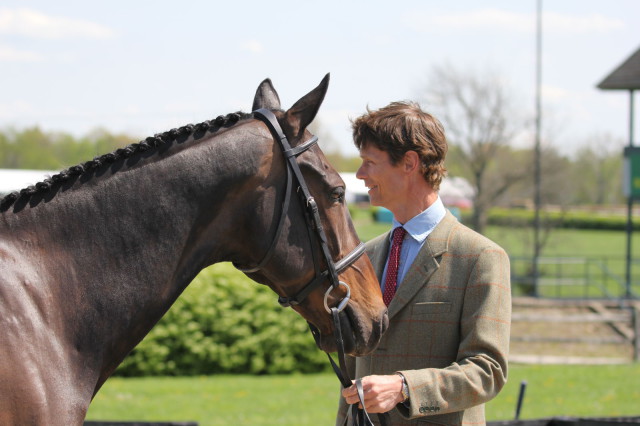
(179, 135)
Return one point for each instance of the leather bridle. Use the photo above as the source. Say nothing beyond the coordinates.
(312, 218)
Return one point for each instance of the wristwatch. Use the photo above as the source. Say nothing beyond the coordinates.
(405, 388)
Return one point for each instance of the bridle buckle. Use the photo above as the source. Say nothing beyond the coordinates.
(343, 302)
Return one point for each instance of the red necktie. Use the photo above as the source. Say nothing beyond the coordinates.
(391, 279)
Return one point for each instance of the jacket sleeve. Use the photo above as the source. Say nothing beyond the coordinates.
(480, 369)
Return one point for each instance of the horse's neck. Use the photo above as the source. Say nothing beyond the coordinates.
(137, 208)
(126, 245)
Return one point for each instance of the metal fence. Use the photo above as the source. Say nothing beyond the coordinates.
(575, 277)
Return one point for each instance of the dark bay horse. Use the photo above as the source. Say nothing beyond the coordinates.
(91, 258)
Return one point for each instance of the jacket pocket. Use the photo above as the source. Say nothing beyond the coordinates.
(431, 308)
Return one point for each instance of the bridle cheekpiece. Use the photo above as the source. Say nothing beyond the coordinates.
(312, 217)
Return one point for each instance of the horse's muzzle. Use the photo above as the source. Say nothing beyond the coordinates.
(358, 338)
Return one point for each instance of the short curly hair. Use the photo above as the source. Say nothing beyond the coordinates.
(404, 126)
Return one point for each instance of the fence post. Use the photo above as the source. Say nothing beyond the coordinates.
(635, 318)
(523, 387)
(587, 277)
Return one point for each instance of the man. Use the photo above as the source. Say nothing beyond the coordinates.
(447, 287)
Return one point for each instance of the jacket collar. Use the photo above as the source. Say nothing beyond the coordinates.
(425, 264)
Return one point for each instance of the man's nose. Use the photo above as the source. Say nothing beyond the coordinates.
(360, 174)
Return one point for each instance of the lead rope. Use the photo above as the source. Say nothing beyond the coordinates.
(359, 416)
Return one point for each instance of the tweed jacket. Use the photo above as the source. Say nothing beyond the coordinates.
(449, 328)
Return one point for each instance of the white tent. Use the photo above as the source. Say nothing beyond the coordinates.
(17, 179)
(356, 191)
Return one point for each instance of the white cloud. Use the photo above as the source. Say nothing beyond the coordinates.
(337, 116)
(14, 110)
(253, 46)
(480, 19)
(554, 93)
(495, 19)
(9, 54)
(580, 24)
(31, 23)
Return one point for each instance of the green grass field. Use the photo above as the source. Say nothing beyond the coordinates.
(586, 391)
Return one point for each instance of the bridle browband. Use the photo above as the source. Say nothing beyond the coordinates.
(312, 217)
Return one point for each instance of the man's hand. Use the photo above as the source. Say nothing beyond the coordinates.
(381, 393)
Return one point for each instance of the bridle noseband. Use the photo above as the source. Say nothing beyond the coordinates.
(312, 218)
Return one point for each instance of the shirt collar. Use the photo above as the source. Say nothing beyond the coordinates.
(421, 225)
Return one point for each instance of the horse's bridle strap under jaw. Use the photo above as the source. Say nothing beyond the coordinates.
(313, 216)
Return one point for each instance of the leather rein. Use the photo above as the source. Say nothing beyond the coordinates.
(312, 217)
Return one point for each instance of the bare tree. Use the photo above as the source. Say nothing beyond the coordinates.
(598, 166)
(479, 117)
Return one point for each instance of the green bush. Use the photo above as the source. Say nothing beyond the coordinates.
(226, 323)
(568, 220)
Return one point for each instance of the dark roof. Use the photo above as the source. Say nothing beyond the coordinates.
(625, 77)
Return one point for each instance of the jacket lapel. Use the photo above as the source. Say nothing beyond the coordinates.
(423, 266)
(378, 250)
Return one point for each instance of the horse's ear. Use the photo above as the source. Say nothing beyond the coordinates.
(266, 96)
(302, 113)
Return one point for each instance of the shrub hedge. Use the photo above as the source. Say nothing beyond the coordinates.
(226, 323)
(557, 219)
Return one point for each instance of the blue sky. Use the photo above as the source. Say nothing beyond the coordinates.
(143, 67)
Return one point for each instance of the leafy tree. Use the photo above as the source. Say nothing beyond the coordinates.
(33, 148)
(598, 171)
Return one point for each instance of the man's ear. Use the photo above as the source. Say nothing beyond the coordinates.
(411, 161)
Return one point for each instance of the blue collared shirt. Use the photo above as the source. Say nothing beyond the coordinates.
(418, 228)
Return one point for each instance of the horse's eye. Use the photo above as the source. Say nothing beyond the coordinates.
(338, 194)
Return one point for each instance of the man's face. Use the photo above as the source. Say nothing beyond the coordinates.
(384, 180)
